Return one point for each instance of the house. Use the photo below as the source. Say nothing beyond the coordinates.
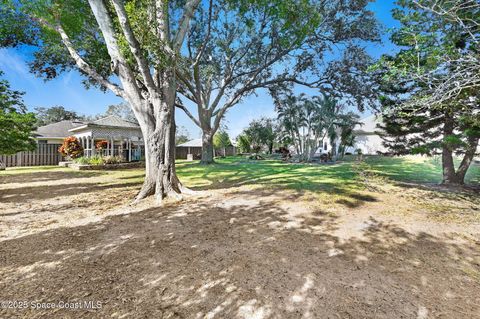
(194, 147)
(55, 133)
(118, 136)
(367, 137)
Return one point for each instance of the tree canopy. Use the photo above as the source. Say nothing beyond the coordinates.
(261, 134)
(16, 124)
(232, 50)
(429, 90)
(49, 115)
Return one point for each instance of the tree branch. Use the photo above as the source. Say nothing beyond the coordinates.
(180, 105)
(79, 61)
(188, 13)
(134, 46)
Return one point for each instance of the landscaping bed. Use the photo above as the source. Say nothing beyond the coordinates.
(85, 167)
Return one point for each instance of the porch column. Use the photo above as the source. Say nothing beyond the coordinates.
(111, 147)
(93, 145)
(129, 145)
(89, 146)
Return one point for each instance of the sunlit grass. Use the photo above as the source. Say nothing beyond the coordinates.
(239, 171)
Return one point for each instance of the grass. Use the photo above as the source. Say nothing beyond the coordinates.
(330, 187)
(237, 171)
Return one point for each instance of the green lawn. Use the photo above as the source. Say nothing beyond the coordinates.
(237, 171)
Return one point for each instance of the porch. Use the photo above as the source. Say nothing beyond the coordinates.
(111, 136)
(126, 148)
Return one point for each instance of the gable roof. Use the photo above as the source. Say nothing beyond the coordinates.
(57, 130)
(109, 121)
(116, 121)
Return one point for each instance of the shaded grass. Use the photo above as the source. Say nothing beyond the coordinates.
(237, 171)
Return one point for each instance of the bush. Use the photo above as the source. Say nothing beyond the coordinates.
(81, 160)
(112, 159)
(96, 160)
(71, 148)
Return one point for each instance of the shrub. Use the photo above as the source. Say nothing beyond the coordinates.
(71, 148)
(96, 160)
(81, 160)
(112, 159)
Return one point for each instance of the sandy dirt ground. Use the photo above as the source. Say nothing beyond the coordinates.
(72, 240)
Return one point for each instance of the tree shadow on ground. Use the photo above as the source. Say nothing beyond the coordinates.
(35, 193)
(46, 176)
(245, 257)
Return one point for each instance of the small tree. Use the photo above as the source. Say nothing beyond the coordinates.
(221, 140)
(261, 133)
(71, 147)
(16, 125)
(244, 144)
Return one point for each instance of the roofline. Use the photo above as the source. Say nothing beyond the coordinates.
(104, 126)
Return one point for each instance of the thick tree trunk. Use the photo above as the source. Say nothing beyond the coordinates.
(160, 175)
(159, 134)
(448, 166)
(207, 148)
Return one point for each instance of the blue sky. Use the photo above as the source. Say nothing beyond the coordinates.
(68, 91)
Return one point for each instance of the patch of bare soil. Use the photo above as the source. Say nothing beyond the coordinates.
(236, 253)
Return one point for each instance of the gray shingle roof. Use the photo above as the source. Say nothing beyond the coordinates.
(114, 120)
(59, 129)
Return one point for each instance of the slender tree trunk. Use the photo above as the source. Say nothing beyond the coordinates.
(467, 160)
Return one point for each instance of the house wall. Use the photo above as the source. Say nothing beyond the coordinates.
(370, 144)
(50, 140)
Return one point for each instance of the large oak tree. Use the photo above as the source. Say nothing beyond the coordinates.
(128, 47)
(234, 49)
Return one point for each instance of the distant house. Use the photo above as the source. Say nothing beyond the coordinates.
(119, 137)
(195, 147)
(190, 147)
(367, 137)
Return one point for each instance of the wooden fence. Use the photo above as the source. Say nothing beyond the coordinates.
(45, 154)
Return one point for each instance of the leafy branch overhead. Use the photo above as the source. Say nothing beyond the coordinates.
(16, 124)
